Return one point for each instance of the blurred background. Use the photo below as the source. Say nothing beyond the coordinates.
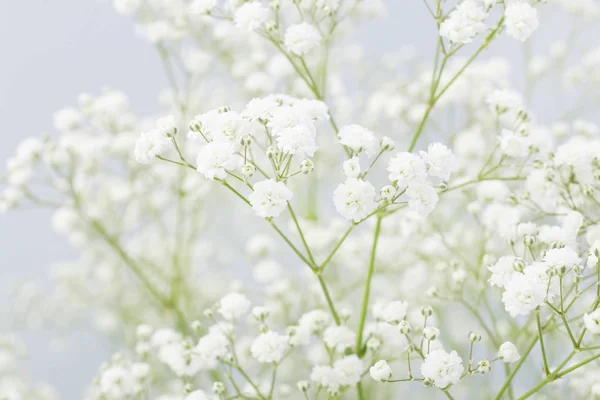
(55, 50)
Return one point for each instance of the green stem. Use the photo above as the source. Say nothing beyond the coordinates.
(367, 291)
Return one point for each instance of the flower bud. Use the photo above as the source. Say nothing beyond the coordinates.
(373, 343)
(475, 337)
(245, 139)
(223, 109)
(404, 327)
(208, 313)
(427, 382)
(426, 311)
(387, 144)
(218, 387)
(388, 192)
(188, 388)
(431, 333)
(248, 170)
(483, 367)
(589, 190)
(303, 386)
(196, 325)
(518, 265)
(260, 313)
(528, 240)
(272, 151)
(307, 166)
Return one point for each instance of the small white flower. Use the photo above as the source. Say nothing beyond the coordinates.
(508, 352)
(216, 158)
(405, 168)
(502, 271)
(298, 139)
(422, 198)
(233, 306)
(151, 144)
(394, 312)
(440, 160)
(592, 321)
(442, 368)
(270, 198)
(355, 199)
(269, 347)
(381, 371)
(523, 293)
(464, 23)
(358, 139)
(352, 167)
(301, 38)
(521, 20)
(251, 15)
(339, 338)
(514, 144)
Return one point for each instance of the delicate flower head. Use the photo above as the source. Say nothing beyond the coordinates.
(358, 139)
(523, 293)
(405, 168)
(233, 306)
(270, 198)
(355, 199)
(216, 158)
(442, 368)
(269, 347)
(300, 39)
(422, 198)
(251, 15)
(380, 371)
(521, 20)
(508, 352)
(440, 161)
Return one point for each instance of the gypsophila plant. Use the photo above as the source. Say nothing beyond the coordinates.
(344, 228)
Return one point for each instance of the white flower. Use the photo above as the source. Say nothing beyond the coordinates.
(314, 321)
(355, 199)
(502, 100)
(405, 168)
(220, 126)
(502, 271)
(151, 144)
(381, 371)
(301, 38)
(298, 139)
(197, 395)
(464, 23)
(270, 198)
(442, 368)
(523, 293)
(514, 144)
(508, 352)
(592, 321)
(183, 360)
(339, 338)
(352, 167)
(422, 198)
(350, 368)
(118, 382)
(440, 160)
(251, 15)
(127, 7)
(269, 347)
(358, 139)
(212, 346)
(592, 261)
(563, 257)
(521, 20)
(202, 6)
(215, 159)
(394, 312)
(233, 306)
